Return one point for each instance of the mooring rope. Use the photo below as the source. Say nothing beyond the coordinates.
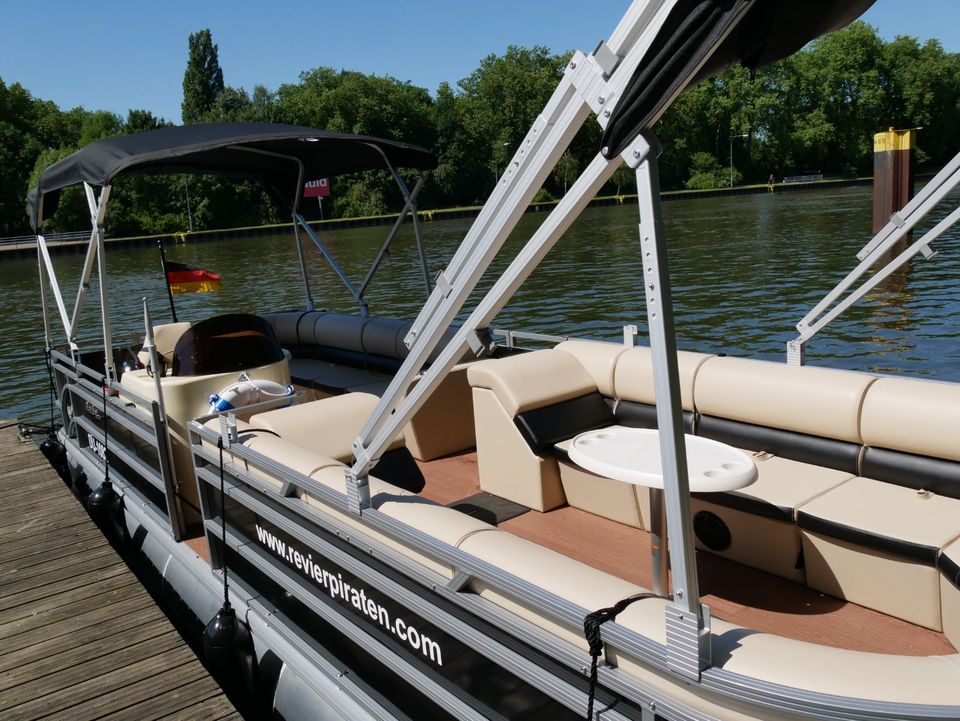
(591, 631)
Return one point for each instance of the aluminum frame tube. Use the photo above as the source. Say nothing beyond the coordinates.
(550, 231)
(673, 456)
(303, 264)
(409, 206)
(325, 252)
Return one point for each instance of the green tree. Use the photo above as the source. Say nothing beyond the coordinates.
(203, 78)
(499, 101)
(706, 173)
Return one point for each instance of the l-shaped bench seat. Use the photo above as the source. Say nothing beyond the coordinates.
(858, 492)
(337, 353)
(766, 657)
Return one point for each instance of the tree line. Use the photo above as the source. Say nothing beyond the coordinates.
(816, 111)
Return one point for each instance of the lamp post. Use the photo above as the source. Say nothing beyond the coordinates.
(744, 135)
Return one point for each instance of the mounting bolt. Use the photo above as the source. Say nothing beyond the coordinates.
(636, 153)
(679, 593)
(601, 100)
(573, 65)
(606, 113)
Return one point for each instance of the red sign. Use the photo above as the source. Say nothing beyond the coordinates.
(316, 188)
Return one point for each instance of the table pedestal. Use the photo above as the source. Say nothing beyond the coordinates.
(659, 552)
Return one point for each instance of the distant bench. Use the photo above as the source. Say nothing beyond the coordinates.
(803, 178)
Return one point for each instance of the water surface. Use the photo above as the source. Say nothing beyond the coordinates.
(745, 270)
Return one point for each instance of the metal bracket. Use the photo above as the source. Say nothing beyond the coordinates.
(228, 429)
(443, 284)
(358, 492)
(289, 489)
(481, 342)
(588, 77)
(606, 58)
(459, 582)
(688, 641)
(796, 352)
(630, 335)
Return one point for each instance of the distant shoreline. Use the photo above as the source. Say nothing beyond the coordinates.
(26, 246)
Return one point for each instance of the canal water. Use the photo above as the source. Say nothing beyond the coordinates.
(745, 270)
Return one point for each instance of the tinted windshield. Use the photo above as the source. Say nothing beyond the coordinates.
(225, 343)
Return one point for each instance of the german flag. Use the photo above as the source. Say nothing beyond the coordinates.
(186, 279)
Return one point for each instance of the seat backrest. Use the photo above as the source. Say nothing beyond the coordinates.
(598, 358)
(528, 381)
(817, 401)
(910, 427)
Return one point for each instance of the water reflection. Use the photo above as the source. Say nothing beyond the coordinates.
(745, 270)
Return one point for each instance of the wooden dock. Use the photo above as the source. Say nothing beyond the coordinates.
(79, 636)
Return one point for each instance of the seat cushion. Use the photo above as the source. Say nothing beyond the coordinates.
(527, 381)
(633, 377)
(817, 401)
(598, 358)
(542, 427)
(328, 426)
(915, 416)
(781, 487)
(885, 517)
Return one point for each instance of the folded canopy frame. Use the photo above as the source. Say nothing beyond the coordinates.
(655, 53)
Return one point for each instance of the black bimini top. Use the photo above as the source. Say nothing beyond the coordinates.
(281, 157)
(700, 38)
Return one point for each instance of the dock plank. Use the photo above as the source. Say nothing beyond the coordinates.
(80, 638)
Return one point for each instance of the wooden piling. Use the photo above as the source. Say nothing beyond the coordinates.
(893, 170)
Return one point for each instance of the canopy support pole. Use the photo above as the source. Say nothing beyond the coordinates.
(419, 238)
(55, 287)
(303, 263)
(687, 620)
(47, 333)
(409, 206)
(590, 83)
(96, 221)
(325, 252)
(97, 212)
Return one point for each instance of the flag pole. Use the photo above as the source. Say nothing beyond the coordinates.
(166, 280)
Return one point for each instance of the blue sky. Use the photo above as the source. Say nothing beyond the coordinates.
(116, 55)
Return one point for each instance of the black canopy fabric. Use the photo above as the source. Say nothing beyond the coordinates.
(267, 153)
(718, 34)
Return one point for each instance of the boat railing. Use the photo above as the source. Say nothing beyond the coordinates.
(243, 469)
(882, 253)
(131, 438)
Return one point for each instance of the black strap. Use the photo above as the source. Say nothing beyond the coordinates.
(591, 631)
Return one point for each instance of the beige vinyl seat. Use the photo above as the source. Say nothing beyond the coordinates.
(624, 376)
(949, 565)
(165, 336)
(335, 353)
(504, 388)
(876, 539)
(529, 406)
(802, 424)
(328, 426)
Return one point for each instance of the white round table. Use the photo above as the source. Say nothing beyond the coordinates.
(632, 455)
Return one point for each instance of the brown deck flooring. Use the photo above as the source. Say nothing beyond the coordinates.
(734, 592)
(79, 637)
